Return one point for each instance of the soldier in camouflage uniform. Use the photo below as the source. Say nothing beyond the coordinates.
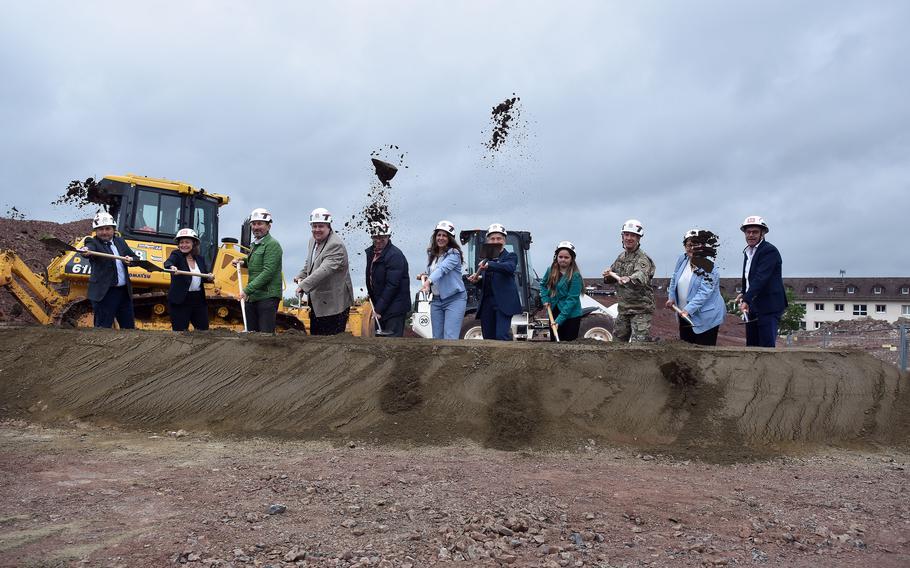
(631, 273)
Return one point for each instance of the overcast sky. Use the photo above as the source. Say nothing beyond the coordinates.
(681, 114)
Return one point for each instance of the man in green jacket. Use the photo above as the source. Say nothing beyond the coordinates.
(263, 290)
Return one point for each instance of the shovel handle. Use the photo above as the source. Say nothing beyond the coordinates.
(106, 255)
(208, 276)
(242, 302)
(552, 323)
(687, 318)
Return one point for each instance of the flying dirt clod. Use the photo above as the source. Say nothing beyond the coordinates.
(384, 171)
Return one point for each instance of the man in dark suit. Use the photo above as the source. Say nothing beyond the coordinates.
(387, 279)
(763, 298)
(109, 287)
(499, 299)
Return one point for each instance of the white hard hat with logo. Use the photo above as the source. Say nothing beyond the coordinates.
(446, 226)
(380, 229)
(633, 226)
(186, 233)
(754, 221)
(497, 228)
(261, 214)
(565, 245)
(320, 215)
(103, 219)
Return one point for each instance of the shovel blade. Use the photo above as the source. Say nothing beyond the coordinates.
(53, 243)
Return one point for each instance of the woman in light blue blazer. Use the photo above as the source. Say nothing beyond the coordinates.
(443, 279)
(696, 292)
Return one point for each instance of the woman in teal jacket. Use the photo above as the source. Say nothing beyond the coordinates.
(561, 288)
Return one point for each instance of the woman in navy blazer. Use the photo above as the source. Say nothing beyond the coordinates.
(186, 296)
(443, 279)
(697, 293)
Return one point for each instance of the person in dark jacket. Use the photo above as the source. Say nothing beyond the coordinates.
(763, 298)
(560, 289)
(109, 287)
(186, 296)
(387, 280)
(499, 299)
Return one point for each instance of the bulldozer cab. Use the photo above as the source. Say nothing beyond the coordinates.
(153, 210)
(526, 278)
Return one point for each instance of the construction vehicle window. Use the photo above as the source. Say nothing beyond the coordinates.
(156, 213)
(204, 224)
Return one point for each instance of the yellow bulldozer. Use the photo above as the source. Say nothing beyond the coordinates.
(149, 212)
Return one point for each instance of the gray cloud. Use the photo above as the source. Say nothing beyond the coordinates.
(687, 114)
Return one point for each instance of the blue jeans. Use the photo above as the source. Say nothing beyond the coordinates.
(447, 315)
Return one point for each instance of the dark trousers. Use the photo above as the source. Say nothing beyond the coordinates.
(704, 338)
(260, 316)
(392, 326)
(762, 332)
(192, 310)
(328, 325)
(494, 324)
(568, 330)
(116, 304)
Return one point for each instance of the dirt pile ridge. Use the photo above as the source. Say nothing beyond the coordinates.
(22, 237)
(717, 404)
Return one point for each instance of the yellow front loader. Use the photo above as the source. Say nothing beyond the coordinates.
(149, 212)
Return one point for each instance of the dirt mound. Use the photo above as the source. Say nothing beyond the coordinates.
(22, 237)
(719, 404)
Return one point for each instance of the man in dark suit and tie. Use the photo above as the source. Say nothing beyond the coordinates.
(109, 287)
(499, 299)
(763, 298)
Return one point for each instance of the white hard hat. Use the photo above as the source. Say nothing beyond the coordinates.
(565, 245)
(103, 219)
(380, 229)
(690, 233)
(446, 226)
(320, 215)
(633, 226)
(754, 221)
(497, 228)
(260, 214)
(186, 233)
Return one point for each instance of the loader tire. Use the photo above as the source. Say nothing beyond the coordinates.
(596, 326)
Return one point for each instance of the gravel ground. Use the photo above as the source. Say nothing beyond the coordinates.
(80, 495)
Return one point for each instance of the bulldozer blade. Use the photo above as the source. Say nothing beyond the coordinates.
(384, 170)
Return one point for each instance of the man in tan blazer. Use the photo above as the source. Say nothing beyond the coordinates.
(325, 277)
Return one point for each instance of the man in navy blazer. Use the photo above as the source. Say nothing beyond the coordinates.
(109, 287)
(388, 284)
(499, 299)
(763, 298)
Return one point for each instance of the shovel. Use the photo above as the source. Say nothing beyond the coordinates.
(242, 301)
(379, 332)
(152, 267)
(687, 319)
(58, 245)
(552, 323)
